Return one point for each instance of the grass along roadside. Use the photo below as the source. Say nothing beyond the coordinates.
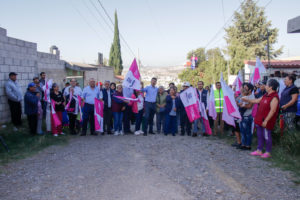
(21, 144)
(285, 151)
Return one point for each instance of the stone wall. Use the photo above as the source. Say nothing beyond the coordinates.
(23, 58)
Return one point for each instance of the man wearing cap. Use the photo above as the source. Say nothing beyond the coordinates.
(185, 123)
(31, 99)
(107, 112)
(150, 105)
(89, 94)
(14, 96)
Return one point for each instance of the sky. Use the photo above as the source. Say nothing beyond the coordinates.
(160, 32)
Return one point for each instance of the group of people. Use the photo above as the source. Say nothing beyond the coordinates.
(125, 106)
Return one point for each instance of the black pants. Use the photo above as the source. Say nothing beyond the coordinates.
(185, 123)
(107, 120)
(32, 123)
(88, 116)
(72, 121)
(126, 119)
(15, 112)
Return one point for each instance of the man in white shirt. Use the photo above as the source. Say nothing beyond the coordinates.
(89, 94)
(77, 90)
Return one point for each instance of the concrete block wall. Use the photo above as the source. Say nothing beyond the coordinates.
(23, 58)
(15, 56)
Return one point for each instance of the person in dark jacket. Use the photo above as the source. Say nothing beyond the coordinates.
(172, 102)
(185, 123)
(31, 99)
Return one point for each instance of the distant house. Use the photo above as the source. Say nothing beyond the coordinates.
(277, 68)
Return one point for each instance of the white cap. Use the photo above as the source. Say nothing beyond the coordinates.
(187, 84)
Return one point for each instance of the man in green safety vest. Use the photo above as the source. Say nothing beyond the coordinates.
(218, 93)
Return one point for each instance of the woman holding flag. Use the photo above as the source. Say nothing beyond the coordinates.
(57, 102)
(266, 117)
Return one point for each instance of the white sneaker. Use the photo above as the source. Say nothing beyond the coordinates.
(137, 133)
(62, 133)
(141, 132)
(15, 128)
(116, 133)
(55, 135)
(121, 133)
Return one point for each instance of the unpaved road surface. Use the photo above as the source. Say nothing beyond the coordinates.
(141, 168)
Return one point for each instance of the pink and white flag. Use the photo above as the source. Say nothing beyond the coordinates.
(238, 83)
(55, 118)
(132, 79)
(258, 71)
(98, 115)
(126, 98)
(211, 104)
(230, 109)
(204, 116)
(189, 100)
(46, 89)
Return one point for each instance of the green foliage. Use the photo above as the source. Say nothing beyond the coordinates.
(247, 37)
(210, 66)
(22, 144)
(115, 58)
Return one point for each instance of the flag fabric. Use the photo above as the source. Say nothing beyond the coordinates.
(238, 83)
(79, 117)
(211, 104)
(46, 89)
(259, 69)
(55, 118)
(132, 79)
(126, 98)
(230, 109)
(189, 100)
(98, 115)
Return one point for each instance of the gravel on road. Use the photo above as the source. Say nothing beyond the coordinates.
(140, 168)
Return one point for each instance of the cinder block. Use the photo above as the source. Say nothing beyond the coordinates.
(8, 61)
(12, 41)
(4, 68)
(14, 68)
(1, 60)
(2, 77)
(21, 43)
(3, 39)
(16, 61)
(24, 76)
(31, 63)
(24, 62)
(3, 31)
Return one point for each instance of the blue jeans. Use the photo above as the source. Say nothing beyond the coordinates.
(160, 119)
(150, 109)
(138, 120)
(118, 117)
(245, 126)
(88, 116)
(170, 124)
(195, 128)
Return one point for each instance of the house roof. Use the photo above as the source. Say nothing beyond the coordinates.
(80, 66)
(277, 63)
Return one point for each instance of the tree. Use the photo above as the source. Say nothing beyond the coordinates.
(247, 37)
(115, 58)
(209, 68)
(200, 53)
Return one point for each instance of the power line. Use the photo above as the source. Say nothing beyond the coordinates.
(89, 25)
(94, 16)
(121, 36)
